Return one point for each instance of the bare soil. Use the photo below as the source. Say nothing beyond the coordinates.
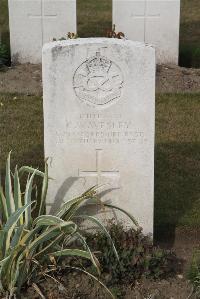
(77, 285)
(27, 79)
(23, 79)
(175, 79)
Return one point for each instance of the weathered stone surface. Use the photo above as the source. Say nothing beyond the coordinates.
(155, 22)
(35, 22)
(99, 97)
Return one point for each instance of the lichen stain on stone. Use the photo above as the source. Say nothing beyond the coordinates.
(61, 50)
(56, 51)
(72, 51)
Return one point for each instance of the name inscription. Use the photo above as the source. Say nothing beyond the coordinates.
(100, 129)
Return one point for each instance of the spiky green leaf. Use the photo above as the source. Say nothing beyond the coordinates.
(4, 211)
(72, 252)
(44, 191)
(17, 193)
(124, 212)
(102, 228)
(29, 170)
(11, 224)
(47, 220)
(51, 233)
(28, 199)
(8, 189)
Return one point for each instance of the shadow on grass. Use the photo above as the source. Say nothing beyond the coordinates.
(177, 188)
(189, 55)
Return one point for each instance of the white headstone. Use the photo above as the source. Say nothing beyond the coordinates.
(35, 22)
(154, 22)
(99, 97)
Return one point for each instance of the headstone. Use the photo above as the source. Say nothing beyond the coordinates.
(35, 22)
(154, 22)
(99, 98)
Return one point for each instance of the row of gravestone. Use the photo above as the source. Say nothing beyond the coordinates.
(35, 22)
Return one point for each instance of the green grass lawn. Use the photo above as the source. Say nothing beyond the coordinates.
(177, 161)
(177, 156)
(190, 22)
(21, 130)
(4, 22)
(190, 33)
(94, 17)
(3, 15)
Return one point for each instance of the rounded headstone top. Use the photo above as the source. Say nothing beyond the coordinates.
(95, 40)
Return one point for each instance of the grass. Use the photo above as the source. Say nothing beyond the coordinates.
(177, 165)
(4, 33)
(190, 33)
(190, 22)
(4, 22)
(21, 130)
(94, 17)
(3, 15)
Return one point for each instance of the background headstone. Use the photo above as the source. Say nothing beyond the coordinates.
(35, 22)
(155, 22)
(99, 97)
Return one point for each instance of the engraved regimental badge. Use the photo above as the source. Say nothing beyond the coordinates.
(98, 81)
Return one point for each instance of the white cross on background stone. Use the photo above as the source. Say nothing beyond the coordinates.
(98, 173)
(42, 16)
(146, 16)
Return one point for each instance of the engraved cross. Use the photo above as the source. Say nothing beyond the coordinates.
(42, 16)
(98, 173)
(146, 16)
